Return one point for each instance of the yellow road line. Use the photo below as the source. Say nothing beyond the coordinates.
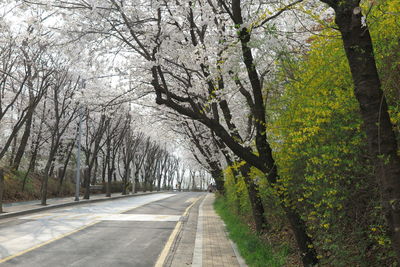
(171, 239)
(45, 243)
(56, 238)
(75, 216)
(38, 216)
(67, 234)
(55, 216)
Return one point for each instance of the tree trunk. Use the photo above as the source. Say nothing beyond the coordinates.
(31, 166)
(125, 180)
(298, 226)
(43, 189)
(374, 110)
(86, 181)
(1, 189)
(145, 183)
(237, 194)
(219, 182)
(109, 181)
(60, 180)
(136, 185)
(257, 206)
(109, 173)
(71, 147)
(103, 172)
(13, 149)
(46, 174)
(51, 171)
(24, 140)
(159, 182)
(94, 174)
(114, 172)
(164, 182)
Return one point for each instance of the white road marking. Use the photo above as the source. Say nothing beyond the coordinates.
(191, 200)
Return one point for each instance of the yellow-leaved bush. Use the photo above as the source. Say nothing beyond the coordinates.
(321, 150)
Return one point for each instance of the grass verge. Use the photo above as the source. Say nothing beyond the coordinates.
(253, 249)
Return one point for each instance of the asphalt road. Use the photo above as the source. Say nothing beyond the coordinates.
(126, 232)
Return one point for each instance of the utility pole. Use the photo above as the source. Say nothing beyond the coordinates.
(78, 156)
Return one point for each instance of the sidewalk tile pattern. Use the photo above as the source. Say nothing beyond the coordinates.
(217, 249)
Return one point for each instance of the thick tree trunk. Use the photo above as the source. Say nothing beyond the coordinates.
(43, 189)
(145, 181)
(109, 181)
(255, 200)
(136, 185)
(13, 149)
(86, 181)
(94, 174)
(46, 173)
(374, 110)
(257, 206)
(114, 173)
(60, 180)
(164, 182)
(51, 171)
(71, 147)
(125, 184)
(24, 140)
(217, 175)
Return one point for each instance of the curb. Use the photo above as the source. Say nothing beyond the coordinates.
(83, 201)
(241, 261)
(169, 259)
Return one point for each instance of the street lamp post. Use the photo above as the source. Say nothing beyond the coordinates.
(78, 156)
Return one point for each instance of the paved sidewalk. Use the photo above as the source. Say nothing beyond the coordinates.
(203, 240)
(218, 250)
(20, 208)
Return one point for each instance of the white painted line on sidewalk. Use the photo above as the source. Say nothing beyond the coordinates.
(198, 244)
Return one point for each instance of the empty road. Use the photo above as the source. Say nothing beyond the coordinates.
(125, 232)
